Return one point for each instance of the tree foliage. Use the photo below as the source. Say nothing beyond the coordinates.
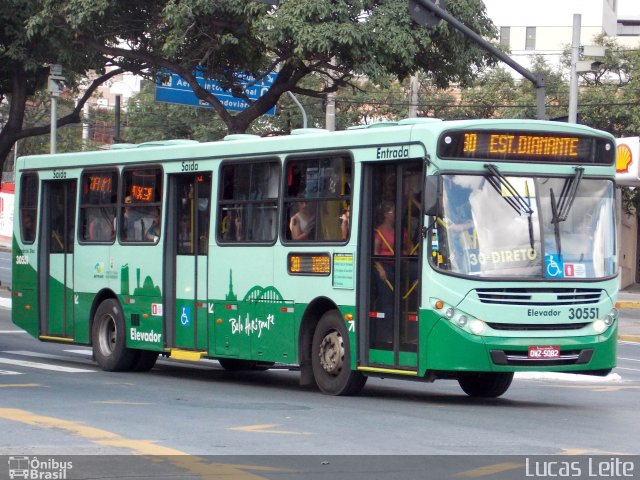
(337, 41)
(25, 56)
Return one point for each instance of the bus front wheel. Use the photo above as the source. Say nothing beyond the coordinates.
(109, 338)
(485, 385)
(331, 357)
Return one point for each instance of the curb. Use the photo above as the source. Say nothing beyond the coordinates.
(629, 338)
(622, 304)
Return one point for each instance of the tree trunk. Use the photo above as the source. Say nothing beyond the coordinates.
(17, 104)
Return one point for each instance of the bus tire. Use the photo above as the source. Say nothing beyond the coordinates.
(146, 360)
(331, 357)
(485, 385)
(109, 338)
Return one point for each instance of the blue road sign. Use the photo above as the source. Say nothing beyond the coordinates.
(175, 89)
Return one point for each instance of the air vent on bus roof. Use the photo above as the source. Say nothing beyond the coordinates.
(122, 146)
(166, 143)
(307, 131)
(240, 136)
(417, 121)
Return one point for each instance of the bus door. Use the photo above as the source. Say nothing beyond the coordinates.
(391, 232)
(188, 213)
(55, 258)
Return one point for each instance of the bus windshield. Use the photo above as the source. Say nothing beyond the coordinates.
(526, 227)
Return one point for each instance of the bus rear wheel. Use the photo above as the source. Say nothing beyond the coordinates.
(145, 360)
(485, 385)
(331, 357)
(109, 338)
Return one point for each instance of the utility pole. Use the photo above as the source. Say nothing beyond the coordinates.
(56, 86)
(116, 137)
(575, 56)
(413, 102)
(330, 114)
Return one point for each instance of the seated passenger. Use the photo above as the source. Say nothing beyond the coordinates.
(303, 222)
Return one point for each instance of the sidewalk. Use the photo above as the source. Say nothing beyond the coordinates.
(629, 299)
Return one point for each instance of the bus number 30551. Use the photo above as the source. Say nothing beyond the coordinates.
(585, 313)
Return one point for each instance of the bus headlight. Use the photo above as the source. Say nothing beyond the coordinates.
(477, 326)
(611, 317)
(462, 320)
(599, 326)
(449, 313)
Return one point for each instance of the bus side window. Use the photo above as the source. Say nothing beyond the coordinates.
(98, 201)
(28, 207)
(141, 208)
(248, 202)
(317, 199)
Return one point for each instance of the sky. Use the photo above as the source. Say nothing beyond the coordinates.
(629, 8)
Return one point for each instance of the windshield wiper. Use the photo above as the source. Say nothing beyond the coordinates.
(561, 209)
(497, 180)
(516, 201)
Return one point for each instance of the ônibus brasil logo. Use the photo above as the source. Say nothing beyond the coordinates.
(35, 468)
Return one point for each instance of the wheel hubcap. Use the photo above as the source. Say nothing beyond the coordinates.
(332, 353)
(107, 334)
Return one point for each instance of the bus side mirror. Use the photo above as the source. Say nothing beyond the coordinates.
(431, 195)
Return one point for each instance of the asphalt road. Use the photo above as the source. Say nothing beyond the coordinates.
(5, 268)
(54, 400)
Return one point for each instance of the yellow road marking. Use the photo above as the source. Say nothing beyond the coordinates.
(265, 428)
(17, 385)
(489, 470)
(194, 465)
(584, 451)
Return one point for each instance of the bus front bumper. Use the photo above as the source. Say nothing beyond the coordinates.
(452, 349)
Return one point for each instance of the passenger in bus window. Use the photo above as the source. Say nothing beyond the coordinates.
(383, 245)
(100, 226)
(133, 223)
(233, 226)
(345, 220)
(303, 222)
(28, 226)
(153, 232)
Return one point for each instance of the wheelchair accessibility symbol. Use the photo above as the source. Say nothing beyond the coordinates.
(185, 318)
(554, 266)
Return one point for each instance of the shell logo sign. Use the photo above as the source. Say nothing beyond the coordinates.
(624, 158)
(628, 161)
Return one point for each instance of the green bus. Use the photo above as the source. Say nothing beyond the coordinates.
(419, 249)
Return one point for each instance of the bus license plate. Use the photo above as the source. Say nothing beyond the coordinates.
(544, 352)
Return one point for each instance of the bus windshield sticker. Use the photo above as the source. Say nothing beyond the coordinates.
(554, 266)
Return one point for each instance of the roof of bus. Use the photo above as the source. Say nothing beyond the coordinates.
(423, 130)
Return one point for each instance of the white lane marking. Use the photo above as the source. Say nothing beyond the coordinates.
(567, 377)
(5, 302)
(80, 352)
(631, 359)
(12, 331)
(9, 372)
(27, 353)
(44, 366)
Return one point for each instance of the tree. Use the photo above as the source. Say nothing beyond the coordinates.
(25, 53)
(338, 41)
